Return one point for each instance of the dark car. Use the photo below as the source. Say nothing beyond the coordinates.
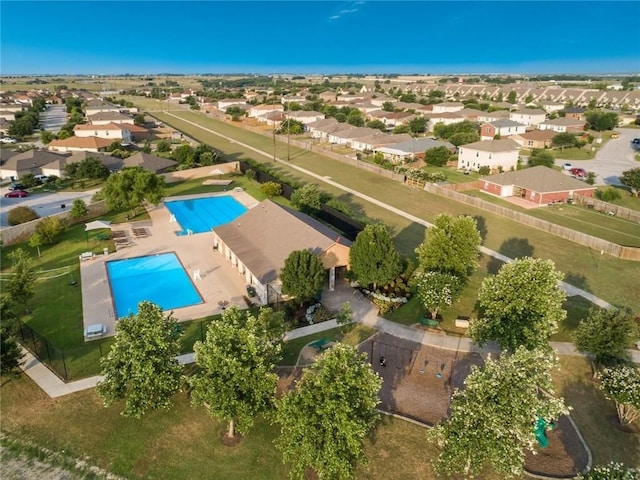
(17, 194)
(16, 186)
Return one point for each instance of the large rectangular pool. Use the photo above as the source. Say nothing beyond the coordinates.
(160, 279)
(200, 215)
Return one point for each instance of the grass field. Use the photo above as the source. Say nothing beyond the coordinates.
(609, 278)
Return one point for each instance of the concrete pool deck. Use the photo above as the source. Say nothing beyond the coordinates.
(219, 280)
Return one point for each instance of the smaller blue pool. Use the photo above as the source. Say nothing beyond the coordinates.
(157, 278)
(200, 215)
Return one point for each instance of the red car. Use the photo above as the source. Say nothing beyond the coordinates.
(16, 194)
(578, 172)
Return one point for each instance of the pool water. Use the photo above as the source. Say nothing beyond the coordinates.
(200, 215)
(160, 279)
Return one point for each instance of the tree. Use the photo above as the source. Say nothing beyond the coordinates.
(324, 421)
(520, 306)
(541, 157)
(10, 352)
(46, 137)
(606, 334)
(378, 124)
(418, 125)
(610, 471)
(141, 366)
(398, 129)
(344, 316)
(291, 126)
(437, 156)
(184, 155)
(307, 198)
(388, 107)
(600, 121)
(491, 423)
(21, 286)
(50, 229)
(622, 385)
(91, 168)
(271, 189)
(302, 276)
(564, 140)
(437, 290)
(237, 379)
(631, 178)
(19, 215)
(373, 257)
(608, 194)
(451, 246)
(163, 146)
(36, 241)
(78, 209)
(512, 97)
(355, 118)
(138, 119)
(131, 187)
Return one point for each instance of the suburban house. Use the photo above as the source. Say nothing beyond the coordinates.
(231, 102)
(412, 148)
(495, 154)
(562, 125)
(57, 167)
(470, 114)
(304, 116)
(7, 115)
(318, 128)
(446, 118)
(103, 118)
(17, 164)
(258, 110)
(272, 118)
(148, 162)
(74, 144)
(449, 107)
(503, 127)
(493, 116)
(534, 139)
(381, 98)
(259, 256)
(541, 185)
(96, 106)
(112, 131)
(531, 117)
(551, 107)
(378, 139)
(576, 113)
(348, 135)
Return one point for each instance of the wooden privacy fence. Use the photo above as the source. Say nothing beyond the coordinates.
(605, 207)
(610, 248)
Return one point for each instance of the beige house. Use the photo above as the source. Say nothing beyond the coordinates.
(495, 154)
(104, 118)
(534, 139)
(503, 127)
(531, 117)
(258, 243)
(258, 110)
(112, 131)
(32, 161)
(76, 144)
(449, 107)
(304, 117)
(96, 106)
(563, 125)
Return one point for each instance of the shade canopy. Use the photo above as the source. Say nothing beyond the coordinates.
(216, 171)
(97, 225)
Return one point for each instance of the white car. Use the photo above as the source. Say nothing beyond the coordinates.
(567, 166)
(7, 140)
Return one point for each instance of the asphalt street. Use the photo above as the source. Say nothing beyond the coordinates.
(616, 156)
(54, 118)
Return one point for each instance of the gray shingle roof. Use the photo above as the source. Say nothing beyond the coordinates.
(539, 179)
(494, 146)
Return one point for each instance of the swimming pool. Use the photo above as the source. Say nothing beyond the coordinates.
(157, 278)
(200, 215)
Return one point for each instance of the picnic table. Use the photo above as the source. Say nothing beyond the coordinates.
(320, 344)
(429, 322)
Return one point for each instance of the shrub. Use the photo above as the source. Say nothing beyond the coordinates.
(608, 195)
(50, 228)
(163, 146)
(271, 189)
(20, 215)
(484, 170)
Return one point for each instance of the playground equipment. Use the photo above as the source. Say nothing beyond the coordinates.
(540, 429)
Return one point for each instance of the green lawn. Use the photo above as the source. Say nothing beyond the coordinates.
(574, 154)
(627, 200)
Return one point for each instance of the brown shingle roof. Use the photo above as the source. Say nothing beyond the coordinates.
(493, 146)
(82, 142)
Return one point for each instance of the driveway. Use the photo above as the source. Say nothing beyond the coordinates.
(54, 118)
(616, 156)
(44, 204)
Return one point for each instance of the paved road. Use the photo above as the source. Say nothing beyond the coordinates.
(616, 156)
(44, 204)
(54, 118)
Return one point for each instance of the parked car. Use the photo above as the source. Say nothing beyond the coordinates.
(578, 172)
(42, 178)
(7, 140)
(16, 186)
(567, 166)
(635, 141)
(615, 135)
(17, 194)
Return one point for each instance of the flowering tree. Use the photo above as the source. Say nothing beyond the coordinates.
(611, 471)
(491, 424)
(437, 290)
(622, 385)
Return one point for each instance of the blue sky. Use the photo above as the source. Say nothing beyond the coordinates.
(115, 37)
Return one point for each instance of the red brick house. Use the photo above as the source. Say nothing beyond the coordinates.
(541, 185)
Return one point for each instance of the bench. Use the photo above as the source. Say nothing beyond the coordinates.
(321, 344)
(95, 331)
(429, 322)
(85, 256)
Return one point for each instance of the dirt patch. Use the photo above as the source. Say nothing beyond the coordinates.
(228, 441)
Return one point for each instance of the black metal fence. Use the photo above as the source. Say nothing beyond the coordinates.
(50, 355)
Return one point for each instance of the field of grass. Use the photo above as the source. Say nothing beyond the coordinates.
(574, 154)
(627, 200)
(609, 278)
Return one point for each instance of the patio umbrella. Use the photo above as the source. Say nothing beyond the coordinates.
(217, 171)
(96, 225)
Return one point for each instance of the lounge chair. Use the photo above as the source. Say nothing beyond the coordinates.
(119, 234)
(140, 232)
(122, 242)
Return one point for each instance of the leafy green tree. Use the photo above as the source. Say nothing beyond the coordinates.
(344, 317)
(307, 198)
(621, 384)
(138, 119)
(491, 424)
(291, 126)
(36, 241)
(468, 129)
(163, 146)
(631, 178)
(512, 97)
(131, 187)
(437, 156)
(46, 137)
(437, 290)
(28, 180)
(388, 107)
(325, 420)
(608, 194)
(10, 353)
(520, 306)
(607, 334)
(399, 129)
(373, 257)
(90, 168)
(141, 366)
(50, 229)
(206, 159)
(541, 157)
(21, 286)
(378, 124)
(302, 276)
(19, 215)
(271, 189)
(184, 155)
(564, 140)
(451, 246)
(600, 121)
(418, 125)
(464, 138)
(610, 471)
(591, 178)
(78, 208)
(355, 118)
(237, 379)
